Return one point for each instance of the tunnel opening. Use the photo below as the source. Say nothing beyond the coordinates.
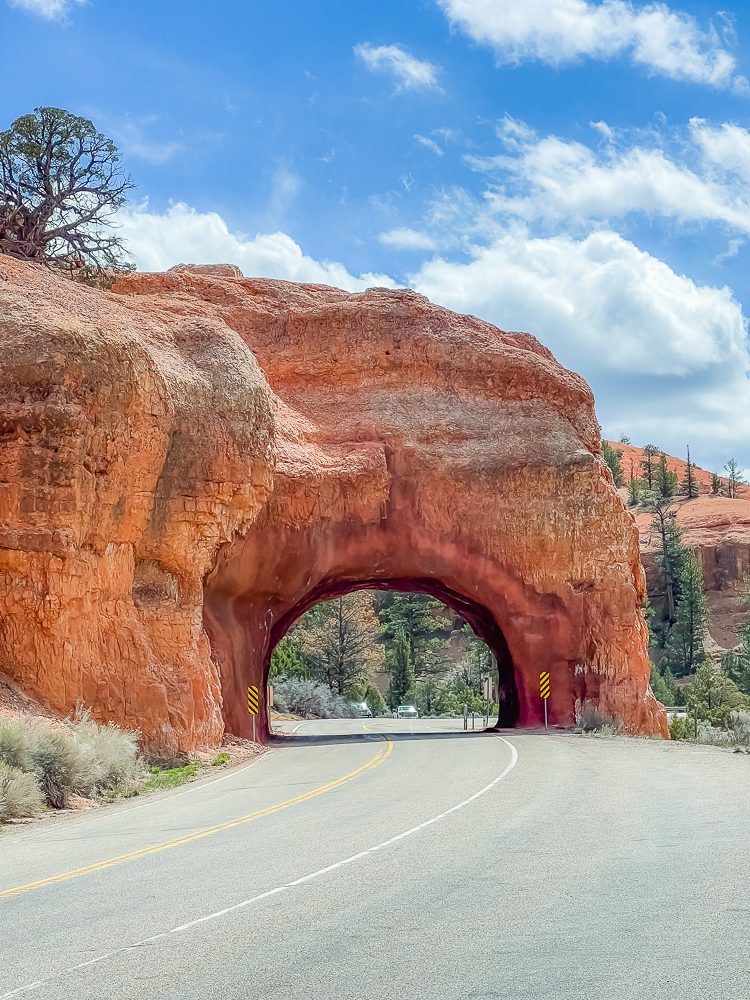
(472, 673)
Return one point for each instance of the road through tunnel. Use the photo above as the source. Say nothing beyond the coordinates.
(448, 673)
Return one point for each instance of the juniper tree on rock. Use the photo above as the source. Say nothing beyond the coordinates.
(689, 486)
(61, 185)
(716, 484)
(635, 490)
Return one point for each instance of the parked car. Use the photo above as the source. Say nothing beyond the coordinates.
(407, 712)
(362, 709)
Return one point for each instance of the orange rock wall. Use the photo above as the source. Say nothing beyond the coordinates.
(196, 454)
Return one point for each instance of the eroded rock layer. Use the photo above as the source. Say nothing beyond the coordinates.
(190, 460)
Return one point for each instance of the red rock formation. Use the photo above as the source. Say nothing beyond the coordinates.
(718, 531)
(153, 481)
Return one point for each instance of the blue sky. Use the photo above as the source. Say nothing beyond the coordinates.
(578, 170)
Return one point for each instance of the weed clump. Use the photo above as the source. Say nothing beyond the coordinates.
(20, 794)
(171, 777)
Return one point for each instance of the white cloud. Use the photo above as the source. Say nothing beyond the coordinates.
(182, 235)
(732, 250)
(132, 136)
(407, 239)
(665, 41)
(662, 353)
(51, 9)
(409, 72)
(726, 146)
(429, 144)
(553, 180)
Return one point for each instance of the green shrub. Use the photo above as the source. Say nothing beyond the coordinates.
(681, 729)
(219, 759)
(20, 794)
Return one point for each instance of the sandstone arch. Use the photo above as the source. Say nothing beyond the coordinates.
(196, 448)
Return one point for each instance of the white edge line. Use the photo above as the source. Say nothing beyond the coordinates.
(288, 885)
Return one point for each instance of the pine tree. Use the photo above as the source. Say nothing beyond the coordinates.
(716, 484)
(612, 457)
(650, 451)
(689, 486)
(402, 671)
(375, 701)
(286, 660)
(419, 616)
(342, 639)
(665, 482)
(735, 478)
(672, 552)
(736, 665)
(684, 648)
(635, 488)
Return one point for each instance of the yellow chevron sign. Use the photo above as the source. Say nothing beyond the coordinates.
(252, 700)
(544, 684)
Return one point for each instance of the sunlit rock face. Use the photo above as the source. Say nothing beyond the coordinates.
(191, 460)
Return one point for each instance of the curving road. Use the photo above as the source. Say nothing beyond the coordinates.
(377, 859)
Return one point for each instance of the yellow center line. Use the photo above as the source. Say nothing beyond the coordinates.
(379, 757)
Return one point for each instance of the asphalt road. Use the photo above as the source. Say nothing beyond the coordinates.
(398, 864)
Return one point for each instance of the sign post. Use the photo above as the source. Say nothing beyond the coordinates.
(252, 705)
(544, 692)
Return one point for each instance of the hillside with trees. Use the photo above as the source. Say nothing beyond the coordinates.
(695, 547)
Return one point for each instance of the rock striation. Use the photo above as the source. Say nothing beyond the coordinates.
(191, 460)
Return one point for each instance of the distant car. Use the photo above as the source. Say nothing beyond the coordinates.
(407, 712)
(362, 710)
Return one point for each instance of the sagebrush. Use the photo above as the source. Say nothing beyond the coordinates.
(46, 762)
(310, 699)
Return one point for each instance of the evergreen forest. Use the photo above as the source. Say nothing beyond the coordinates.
(387, 648)
(678, 613)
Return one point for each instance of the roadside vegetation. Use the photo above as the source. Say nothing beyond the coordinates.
(45, 764)
(715, 694)
(384, 649)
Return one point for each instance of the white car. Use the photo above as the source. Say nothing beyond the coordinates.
(407, 712)
(362, 709)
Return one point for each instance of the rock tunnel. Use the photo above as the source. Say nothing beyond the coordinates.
(192, 459)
